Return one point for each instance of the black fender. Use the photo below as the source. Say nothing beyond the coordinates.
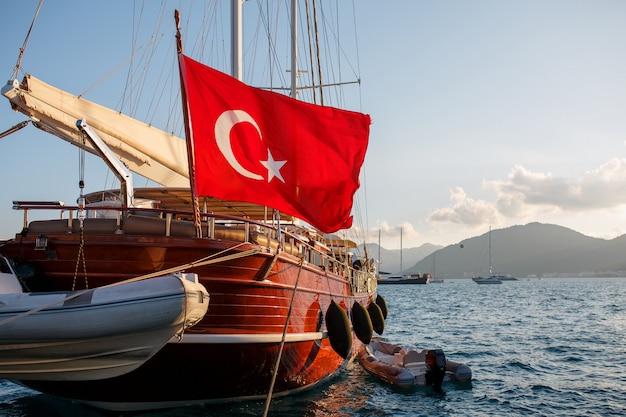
(362, 323)
(376, 315)
(382, 303)
(338, 328)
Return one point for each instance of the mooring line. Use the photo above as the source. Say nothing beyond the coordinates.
(268, 399)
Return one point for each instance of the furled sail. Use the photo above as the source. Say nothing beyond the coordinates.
(146, 150)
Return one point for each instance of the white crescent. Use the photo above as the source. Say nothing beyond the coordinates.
(223, 126)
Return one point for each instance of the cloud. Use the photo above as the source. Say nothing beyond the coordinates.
(466, 211)
(389, 232)
(601, 188)
(524, 194)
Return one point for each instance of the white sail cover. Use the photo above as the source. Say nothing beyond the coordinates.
(146, 150)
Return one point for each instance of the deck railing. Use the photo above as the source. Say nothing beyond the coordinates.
(163, 222)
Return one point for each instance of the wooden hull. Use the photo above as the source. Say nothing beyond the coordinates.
(204, 373)
(230, 354)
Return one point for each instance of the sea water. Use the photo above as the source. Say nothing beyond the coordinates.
(552, 347)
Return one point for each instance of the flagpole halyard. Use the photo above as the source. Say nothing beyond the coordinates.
(188, 132)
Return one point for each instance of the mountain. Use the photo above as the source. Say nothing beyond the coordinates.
(390, 259)
(533, 249)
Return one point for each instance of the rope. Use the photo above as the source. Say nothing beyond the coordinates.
(79, 258)
(81, 217)
(200, 262)
(18, 65)
(282, 343)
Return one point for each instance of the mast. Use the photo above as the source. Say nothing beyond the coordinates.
(294, 48)
(490, 268)
(378, 269)
(236, 32)
(401, 267)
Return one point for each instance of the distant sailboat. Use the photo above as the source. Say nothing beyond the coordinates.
(493, 278)
(434, 278)
(402, 278)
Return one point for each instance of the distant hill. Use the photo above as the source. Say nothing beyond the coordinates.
(534, 249)
(390, 259)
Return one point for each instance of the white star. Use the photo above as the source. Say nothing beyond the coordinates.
(273, 167)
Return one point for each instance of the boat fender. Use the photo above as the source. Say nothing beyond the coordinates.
(376, 315)
(382, 303)
(362, 323)
(462, 372)
(338, 328)
(436, 368)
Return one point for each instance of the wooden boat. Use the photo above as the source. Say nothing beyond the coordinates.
(407, 367)
(95, 333)
(270, 330)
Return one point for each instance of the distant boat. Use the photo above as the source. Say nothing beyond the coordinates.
(406, 279)
(493, 278)
(433, 279)
(402, 278)
(487, 280)
(505, 277)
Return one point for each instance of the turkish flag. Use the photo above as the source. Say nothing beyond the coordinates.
(262, 147)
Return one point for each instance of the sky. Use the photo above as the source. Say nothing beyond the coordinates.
(485, 113)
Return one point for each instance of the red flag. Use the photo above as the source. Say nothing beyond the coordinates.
(262, 147)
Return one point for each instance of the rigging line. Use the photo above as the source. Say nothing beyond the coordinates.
(264, 23)
(106, 77)
(145, 58)
(166, 73)
(156, 39)
(207, 260)
(128, 61)
(18, 64)
(317, 50)
(358, 58)
(332, 30)
(273, 60)
(313, 87)
(282, 341)
(135, 50)
(131, 59)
